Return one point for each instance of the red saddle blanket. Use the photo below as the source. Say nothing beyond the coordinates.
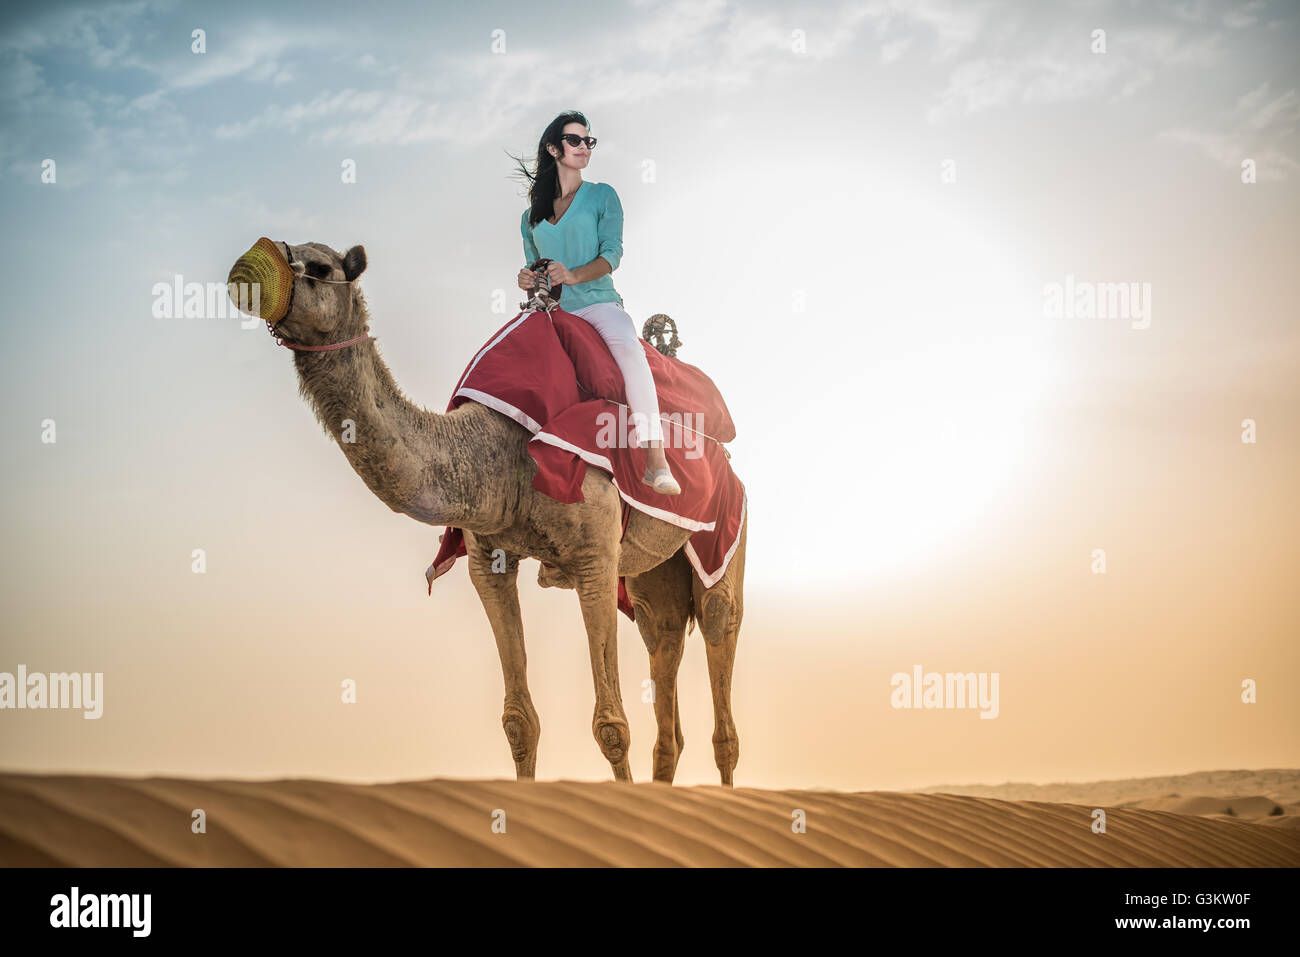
(553, 374)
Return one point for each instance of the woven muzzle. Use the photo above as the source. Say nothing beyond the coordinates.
(265, 269)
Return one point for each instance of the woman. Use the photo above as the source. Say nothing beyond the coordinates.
(579, 227)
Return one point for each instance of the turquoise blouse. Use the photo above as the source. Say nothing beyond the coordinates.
(592, 226)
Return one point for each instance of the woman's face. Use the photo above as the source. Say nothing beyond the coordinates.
(574, 157)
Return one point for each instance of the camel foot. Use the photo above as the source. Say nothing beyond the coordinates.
(665, 762)
(521, 735)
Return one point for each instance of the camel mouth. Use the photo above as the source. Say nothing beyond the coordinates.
(261, 282)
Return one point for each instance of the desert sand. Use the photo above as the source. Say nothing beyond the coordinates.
(81, 820)
(1270, 796)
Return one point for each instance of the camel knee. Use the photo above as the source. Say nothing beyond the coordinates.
(549, 576)
(720, 612)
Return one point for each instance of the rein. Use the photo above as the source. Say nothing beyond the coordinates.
(332, 347)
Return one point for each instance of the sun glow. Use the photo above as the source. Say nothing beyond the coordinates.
(925, 375)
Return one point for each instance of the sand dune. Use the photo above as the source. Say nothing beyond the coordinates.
(1257, 808)
(106, 821)
(1270, 796)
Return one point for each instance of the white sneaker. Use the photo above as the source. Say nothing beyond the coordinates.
(662, 481)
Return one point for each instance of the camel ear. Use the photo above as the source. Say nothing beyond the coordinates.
(354, 262)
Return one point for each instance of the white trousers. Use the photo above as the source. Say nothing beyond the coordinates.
(620, 334)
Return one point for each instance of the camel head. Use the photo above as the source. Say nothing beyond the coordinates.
(306, 292)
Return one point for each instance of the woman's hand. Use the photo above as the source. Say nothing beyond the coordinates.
(527, 280)
(557, 272)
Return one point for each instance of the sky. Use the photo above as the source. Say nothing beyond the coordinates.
(857, 213)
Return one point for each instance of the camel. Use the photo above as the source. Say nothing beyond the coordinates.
(470, 469)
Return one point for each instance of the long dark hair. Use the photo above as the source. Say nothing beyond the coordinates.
(544, 178)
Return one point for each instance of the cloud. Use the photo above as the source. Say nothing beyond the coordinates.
(893, 50)
(683, 24)
(1229, 150)
(280, 220)
(479, 97)
(85, 134)
(1245, 15)
(101, 34)
(463, 98)
(253, 53)
(983, 84)
(104, 89)
(1256, 128)
(275, 71)
(349, 116)
(1029, 60)
(1260, 110)
(107, 37)
(954, 27)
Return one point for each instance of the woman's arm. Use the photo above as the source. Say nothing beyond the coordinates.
(592, 270)
(609, 229)
(530, 248)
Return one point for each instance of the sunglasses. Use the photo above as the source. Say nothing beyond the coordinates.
(573, 139)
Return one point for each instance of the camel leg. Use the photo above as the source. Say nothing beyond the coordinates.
(499, 592)
(596, 581)
(720, 610)
(677, 725)
(661, 599)
(599, 598)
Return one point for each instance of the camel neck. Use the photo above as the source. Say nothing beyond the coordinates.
(404, 453)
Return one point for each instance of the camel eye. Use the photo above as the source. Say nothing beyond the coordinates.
(318, 270)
